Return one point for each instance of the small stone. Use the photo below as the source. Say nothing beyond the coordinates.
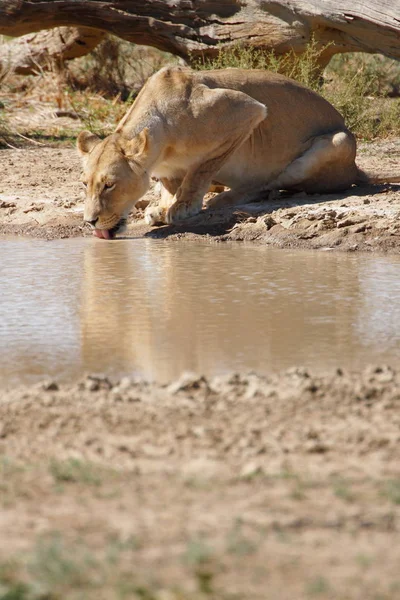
(316, 447)
(301, 372)
(50, 386)
(123, 386)
(250, 470)
(252, 391)
(125, 383)
(345, 223)
(91, 385)
(268, 221)
(198, 431)
(94, 383)
(330, 214)
(312, 434)
(381, 374)
(187, 381)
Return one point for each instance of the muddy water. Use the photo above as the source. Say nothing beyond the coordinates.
(154, 309)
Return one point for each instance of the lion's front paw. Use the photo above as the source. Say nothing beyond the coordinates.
(179, 211)
(155, 215)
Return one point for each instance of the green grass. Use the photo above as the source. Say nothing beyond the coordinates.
(10, 475)
(56, 565)
(57, 569)
(342, 489)
(73, 470)
(198, 552)
(319, 586)
(53, 570)
(364, 560)
(238, 542)
(4, 129)
(392, 491)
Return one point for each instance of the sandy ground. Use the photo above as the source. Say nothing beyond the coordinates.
(40, 195)
(285, 487)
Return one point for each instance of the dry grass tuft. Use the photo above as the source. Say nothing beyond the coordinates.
(94, 91)
(364, 88)
(91, 92)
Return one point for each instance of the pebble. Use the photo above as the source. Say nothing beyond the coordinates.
(188, 380)
(50, 386)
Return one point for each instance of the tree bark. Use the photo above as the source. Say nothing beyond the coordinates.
(34, 52)
(191, 28)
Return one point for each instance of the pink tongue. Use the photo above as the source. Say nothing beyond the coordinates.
(102, 233)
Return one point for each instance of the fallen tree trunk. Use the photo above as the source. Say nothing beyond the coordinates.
(191, 28)
(35, 52)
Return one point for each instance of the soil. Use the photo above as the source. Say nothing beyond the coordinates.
(281, 487)
(223, 488)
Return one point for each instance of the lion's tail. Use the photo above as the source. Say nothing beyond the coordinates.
(370, 177)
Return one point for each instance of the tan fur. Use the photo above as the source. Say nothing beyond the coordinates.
(252, 131)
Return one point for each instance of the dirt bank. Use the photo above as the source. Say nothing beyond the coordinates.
(40, 195)
(203, 489)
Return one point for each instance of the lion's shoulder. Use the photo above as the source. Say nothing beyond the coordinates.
(171, 78)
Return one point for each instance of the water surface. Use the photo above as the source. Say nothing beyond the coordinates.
(157, 308)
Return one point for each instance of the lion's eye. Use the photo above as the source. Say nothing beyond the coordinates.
(108, 185)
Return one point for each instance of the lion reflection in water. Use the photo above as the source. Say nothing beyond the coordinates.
(159, 308)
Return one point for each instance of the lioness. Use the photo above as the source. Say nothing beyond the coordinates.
(250, 130)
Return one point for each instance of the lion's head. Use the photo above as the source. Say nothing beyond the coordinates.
(114, 177)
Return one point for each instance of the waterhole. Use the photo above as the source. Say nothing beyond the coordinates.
(156, 308)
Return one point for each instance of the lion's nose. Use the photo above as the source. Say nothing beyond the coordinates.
(92, 222)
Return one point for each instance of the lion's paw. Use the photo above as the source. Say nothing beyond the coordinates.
(179, 211)
(155, 215)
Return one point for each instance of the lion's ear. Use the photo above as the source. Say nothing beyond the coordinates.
(86, 141)
(142, 141)
(138, 146)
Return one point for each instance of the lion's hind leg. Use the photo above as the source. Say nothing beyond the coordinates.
(328, 165)
(238, 196)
